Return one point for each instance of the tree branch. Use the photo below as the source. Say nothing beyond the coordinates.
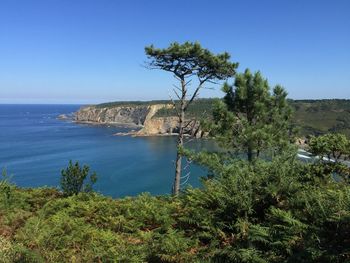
(177, 95)
(174, 104)
(195, 94)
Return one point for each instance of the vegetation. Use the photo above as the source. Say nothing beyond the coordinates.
(335, 147)
(250, 119)
(131, 103)
(188, 62)
(322, 116)
(332, 151)
(278, 211)
(73, 179)
(198, 109)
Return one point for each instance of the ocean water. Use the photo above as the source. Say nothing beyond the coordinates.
(35, 146)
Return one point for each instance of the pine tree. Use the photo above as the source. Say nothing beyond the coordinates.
(190, 64)
(73, 179)
(331, 150)
(252, 120)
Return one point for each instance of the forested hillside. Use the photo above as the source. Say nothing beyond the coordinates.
(322, 116)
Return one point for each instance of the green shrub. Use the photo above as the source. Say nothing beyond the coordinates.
(5, 188)
(73, 179)
(270, 212)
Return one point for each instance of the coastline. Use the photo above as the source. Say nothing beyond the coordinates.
(109, 124)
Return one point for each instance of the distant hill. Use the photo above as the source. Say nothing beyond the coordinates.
(322, 116)
(313, 117)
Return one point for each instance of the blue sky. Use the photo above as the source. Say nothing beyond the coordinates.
(84, 51)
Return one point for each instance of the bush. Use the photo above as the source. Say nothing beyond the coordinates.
(5, 188)
(276, 211)
(73, 179)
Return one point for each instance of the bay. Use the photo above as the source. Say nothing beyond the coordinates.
(35, 146)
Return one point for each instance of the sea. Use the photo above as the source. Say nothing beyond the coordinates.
(35, 146)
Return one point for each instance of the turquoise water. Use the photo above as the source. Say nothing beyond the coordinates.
(35, 146)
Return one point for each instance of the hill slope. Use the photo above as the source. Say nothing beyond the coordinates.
(322, 116)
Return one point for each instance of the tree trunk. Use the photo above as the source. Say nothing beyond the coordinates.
(180, 141)
(178, 169)
(250, 153)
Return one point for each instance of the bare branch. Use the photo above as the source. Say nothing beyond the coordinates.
(177, 77)
(213, 82)
(188, 82)
(188, 123)
(177, 87)
(208, 88)
(188, 177)
(187, 164)
(177, 95)
(185, 176)
(194, 95)
(174, 104)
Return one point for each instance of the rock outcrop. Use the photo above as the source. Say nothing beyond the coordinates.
(115, 115)
(169, 126)
(142, 116)
(63, 117)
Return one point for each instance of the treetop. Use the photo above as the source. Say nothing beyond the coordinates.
(189, 59)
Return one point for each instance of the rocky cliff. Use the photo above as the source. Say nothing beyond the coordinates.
(116, 115)
(169, 126)
(137, 115)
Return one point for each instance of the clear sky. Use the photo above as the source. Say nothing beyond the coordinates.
(88, 51)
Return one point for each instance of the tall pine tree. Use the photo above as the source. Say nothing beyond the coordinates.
(251, 119)
(190, 64)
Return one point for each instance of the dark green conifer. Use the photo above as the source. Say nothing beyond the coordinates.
(73, 179)
(251, 119)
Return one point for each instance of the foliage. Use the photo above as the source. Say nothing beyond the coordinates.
(277, 211)
(333, 147)
(322, 116)
(189, 59)
(73, 179)
(131, 103)
(251, 119)
(332, 150)
(5, 187)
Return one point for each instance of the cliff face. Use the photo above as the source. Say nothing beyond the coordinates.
(159, 125)
(129, 115)
(169, 126)
(142, 116)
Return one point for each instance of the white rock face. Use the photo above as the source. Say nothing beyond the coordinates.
(135, 115)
